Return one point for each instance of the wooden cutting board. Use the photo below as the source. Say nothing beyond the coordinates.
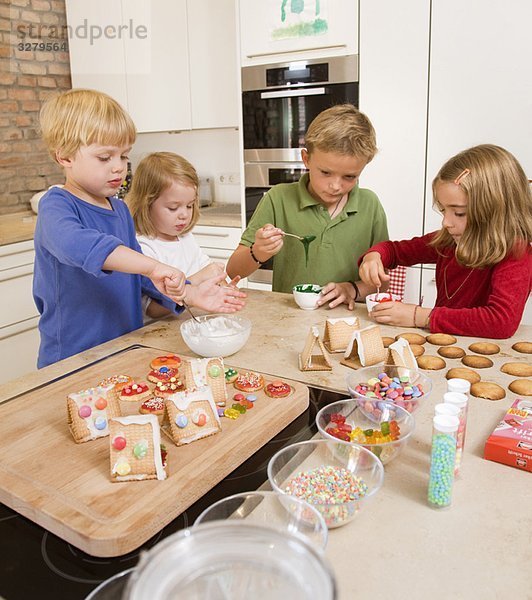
(66, 488)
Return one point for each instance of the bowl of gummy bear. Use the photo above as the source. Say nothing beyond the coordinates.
(385, 435)
(370, 386)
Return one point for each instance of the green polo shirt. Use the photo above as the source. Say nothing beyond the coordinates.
(339, 241)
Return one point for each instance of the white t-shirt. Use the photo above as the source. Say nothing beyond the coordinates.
(184, 253)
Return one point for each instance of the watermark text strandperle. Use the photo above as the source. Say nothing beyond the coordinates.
(84, 31)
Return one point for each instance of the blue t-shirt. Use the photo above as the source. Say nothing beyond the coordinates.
(81, 305)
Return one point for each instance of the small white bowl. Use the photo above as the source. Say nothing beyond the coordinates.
(374, 299)
(216, 335)
(306, 295)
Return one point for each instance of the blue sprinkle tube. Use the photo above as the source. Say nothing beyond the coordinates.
(442, 460)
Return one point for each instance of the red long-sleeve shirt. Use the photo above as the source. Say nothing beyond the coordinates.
(485, 302)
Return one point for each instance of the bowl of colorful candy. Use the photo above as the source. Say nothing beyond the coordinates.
(370, 386)
(336, 477)
(385, 436)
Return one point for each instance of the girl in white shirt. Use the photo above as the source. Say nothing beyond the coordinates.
(164, 203)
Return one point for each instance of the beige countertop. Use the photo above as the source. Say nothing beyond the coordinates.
(397, 547)
(221, 215)
(17, 227)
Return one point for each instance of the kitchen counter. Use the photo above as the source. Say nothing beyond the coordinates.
(221, 215)
(397, 547)
(17, 227)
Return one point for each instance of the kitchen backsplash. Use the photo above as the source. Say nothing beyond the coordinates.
(213, 152)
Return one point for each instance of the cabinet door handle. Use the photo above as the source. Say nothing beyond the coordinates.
(290, 94)
(295, 51)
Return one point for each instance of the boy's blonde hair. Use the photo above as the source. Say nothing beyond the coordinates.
(82, 117)
(499, 207)
(342, 129)
(153, 175)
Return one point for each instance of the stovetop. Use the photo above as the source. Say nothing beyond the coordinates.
(38, 564)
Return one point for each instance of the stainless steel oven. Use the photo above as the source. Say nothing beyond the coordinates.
(278, 103)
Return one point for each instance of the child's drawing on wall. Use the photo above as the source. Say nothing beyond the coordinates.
(300, 18)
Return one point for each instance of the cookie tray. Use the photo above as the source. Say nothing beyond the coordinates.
(65, 487)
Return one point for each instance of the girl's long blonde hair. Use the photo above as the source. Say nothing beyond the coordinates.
(153, 175)
(499, 207)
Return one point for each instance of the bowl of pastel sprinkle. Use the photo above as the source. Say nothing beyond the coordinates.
(336, 477)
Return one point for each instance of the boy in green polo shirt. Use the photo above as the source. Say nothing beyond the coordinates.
(326, 203)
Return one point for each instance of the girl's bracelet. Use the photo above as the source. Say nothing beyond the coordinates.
(259, 262)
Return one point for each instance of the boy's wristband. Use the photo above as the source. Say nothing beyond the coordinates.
(253, 256)
(357, 291)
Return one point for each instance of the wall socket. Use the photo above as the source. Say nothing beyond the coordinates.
(229, 178)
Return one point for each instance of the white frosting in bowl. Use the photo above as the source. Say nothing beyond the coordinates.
(216, 335)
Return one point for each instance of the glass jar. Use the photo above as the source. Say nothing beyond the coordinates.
(442, 459)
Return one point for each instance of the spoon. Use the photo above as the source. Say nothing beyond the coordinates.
(187, 307)
(298, 237)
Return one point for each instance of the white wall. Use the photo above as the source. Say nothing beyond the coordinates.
(211, 151)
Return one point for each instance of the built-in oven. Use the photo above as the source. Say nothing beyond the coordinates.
(279, 102)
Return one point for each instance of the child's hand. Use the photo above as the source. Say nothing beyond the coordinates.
(169, 281)
(211, 270)
(268, 240)
(209, 295)
(372, 271)
(338, 293)
(394, 313)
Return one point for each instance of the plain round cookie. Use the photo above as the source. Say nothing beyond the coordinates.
(517, 369)
(451, 352)
(487, 390)
(441, 339)
(484, 348)
(431, 363)
(417, 349)
(387, 341)
(412, 338)
(524, 347)
(477, 362)
(463, 373)
(521, 387)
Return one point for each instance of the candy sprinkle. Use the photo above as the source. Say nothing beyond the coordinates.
(333, 490)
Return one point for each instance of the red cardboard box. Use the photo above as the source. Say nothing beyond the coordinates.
(511, 442)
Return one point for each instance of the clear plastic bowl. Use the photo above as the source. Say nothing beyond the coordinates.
(216, 335)
(370, 404)
(269, 509)
(228, 559)
(354, 417)
(304, 468)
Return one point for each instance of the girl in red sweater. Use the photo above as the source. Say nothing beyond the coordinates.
(482, 252)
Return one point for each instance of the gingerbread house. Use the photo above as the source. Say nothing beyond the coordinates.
(338, 333)
(400, 354)
(89, 411)
(135, 448)
(191, 415)
(365, 348)
(200, 372)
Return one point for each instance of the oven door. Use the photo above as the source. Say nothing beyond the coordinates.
(275, 120)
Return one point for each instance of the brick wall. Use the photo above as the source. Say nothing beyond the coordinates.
(28, 75)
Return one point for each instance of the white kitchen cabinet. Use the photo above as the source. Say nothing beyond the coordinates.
(480, 82)
(218, 242)
(279, 31)
(173, 67)
(19, 336)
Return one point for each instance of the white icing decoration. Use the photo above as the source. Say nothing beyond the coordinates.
(347, 320)
(182, 401)
(89, 398)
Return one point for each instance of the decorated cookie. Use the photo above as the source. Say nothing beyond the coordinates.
(441, 339)
(118, 381)
(484, 348)
(431, 363)
(170, 360)
(412, 338)
(463, 373)
(162, 374)
(152, 406)
(523, 347)
(278, 389)
(249, 382)
(517, 369)
(451, 352)
(136, 392)
(521, 387)
(477, 362)
(165, 389)
(487, 390)
(230, 375)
